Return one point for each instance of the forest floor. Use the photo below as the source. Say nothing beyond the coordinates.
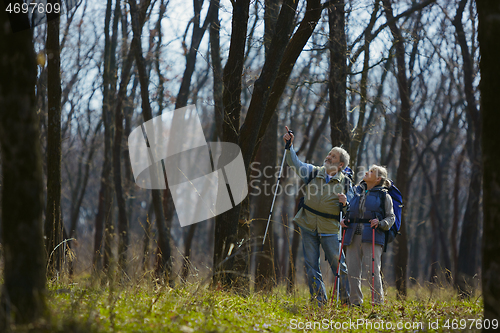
(147, 307)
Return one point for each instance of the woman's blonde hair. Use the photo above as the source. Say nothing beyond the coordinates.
(381, 172)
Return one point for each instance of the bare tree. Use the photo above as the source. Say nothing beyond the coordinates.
(489, 28)
(164, 263)
(340, 134)
(400, 265)
(467, 253)
(103, 220)
(283, 54)
(22, 187)
(53, 221)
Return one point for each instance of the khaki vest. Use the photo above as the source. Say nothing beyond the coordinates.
(322, 197)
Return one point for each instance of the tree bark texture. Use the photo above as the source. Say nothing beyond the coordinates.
(164, 261)
(103, 220)
(226, 224)
(249, 140)
(22, 186)
(263, 85)
(217, 70)
(467, 265)
(337, 84)
(53, 221)
(267, 155)
(401, 257)
(489, 30)
(188, 244)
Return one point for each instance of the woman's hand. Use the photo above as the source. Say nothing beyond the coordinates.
(342, 223)
(374, 223)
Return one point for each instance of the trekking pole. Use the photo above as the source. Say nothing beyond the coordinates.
(373, 267)
(287, 146)
(340, 251)
(337, 275)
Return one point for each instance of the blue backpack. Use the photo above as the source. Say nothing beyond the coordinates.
(397, 204)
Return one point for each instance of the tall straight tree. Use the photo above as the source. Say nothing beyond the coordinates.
(467, 252)
(489, 30)
(123, 223)
(267, 154)
(53, 221)
(401, 259)
(226, 224)
(103, 219)
(138, 14)
(337, 84)
(22, 186)
(198, 31)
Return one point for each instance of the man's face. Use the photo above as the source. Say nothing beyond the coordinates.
(332, 160)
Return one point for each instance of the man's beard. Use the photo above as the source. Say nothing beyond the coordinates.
(331, 167)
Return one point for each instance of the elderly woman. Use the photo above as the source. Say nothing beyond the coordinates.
(370, 209)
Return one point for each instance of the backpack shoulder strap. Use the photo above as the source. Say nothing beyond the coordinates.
(383, 196)
(313, 175)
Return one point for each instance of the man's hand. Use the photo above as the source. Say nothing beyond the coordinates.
(342, 199)
(288, 136)
(342, 223)
(374, 223)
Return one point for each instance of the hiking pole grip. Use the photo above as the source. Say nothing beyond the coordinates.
(288, 142)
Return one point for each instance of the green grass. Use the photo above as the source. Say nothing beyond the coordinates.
(147, 307)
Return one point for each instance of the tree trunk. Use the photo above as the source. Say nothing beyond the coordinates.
(467, 258)
(103, 220)
(292, 52)
(264, 265)
(217, 70)
(188, 243)
(401, 260)
(164, 262)
(22, 188)
(266, 156)
(340, 134)
(489, 29)
(123, 233)
(53, 221)
(456, 211)
(146, 249)
(262, 106)
(226, 224)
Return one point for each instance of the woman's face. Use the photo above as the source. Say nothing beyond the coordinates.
(371, 177)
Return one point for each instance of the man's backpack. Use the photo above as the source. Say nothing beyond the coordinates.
(397, 204)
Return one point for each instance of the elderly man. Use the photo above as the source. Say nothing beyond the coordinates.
(318, 216)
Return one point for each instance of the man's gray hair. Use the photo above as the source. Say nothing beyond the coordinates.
(343, 155)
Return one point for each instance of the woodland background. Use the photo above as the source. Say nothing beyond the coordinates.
(396, 83)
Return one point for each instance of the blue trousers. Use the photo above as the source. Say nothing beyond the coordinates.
(311, 242)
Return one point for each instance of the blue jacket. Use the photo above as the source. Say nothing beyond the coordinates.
(372, 209)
